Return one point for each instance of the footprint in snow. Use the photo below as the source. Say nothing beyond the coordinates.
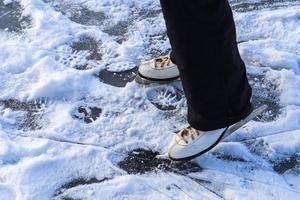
(165, 98)
(88, 114)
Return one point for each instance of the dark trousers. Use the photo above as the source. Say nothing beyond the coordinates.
(203, 40)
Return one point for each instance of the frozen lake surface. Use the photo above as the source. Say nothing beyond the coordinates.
(66, 73)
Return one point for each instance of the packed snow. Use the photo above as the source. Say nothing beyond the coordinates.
(74, 124)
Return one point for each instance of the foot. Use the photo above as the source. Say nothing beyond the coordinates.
(159, 69)
(190, 143)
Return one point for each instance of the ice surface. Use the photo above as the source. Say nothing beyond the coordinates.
(66, 73)
(250, 5)
(11, 18)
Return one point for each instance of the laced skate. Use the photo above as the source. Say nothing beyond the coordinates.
(190, 143)
(158, 70)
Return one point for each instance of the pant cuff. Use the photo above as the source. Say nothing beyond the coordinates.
(209, 125)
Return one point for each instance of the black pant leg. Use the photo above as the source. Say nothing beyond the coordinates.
(203, 39)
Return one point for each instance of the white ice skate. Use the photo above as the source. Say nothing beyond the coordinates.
(190, 143)
(158, 70)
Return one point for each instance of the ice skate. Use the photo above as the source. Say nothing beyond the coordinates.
(158, 70)
(190, 143)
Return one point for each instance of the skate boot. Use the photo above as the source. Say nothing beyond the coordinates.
(158, 70)
(190, 143)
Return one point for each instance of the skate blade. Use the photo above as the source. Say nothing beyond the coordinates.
(241, 123)
(140, 80)
(143, 81)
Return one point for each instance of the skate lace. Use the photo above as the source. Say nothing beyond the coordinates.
(187, 133)
(163, 61)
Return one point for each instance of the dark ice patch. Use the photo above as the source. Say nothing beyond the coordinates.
(117, 79)
(67, 198)
(88, 114)
(118, 30)
(82, 15)
(165, 98)
(259, 147)
(291, 163)
(32, 109)
(82, 54)
(265, 92)
(18, 105)
(75, 183)
(228, 157)
(142, 161)
(89, 45)
(11, 17)
(86, 43)
(78, 13)
(246, 6)
(148, 13)
(87, 17)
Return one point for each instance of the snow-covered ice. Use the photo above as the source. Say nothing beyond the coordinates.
(66, 74)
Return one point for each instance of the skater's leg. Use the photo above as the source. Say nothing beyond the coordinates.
(203, 39)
